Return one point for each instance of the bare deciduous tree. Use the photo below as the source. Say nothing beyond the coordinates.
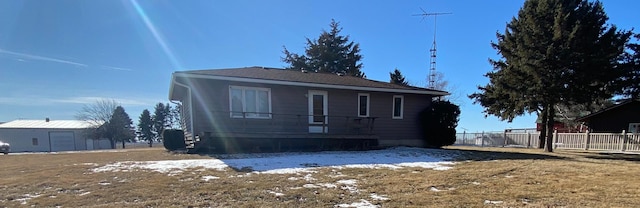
(97, 113)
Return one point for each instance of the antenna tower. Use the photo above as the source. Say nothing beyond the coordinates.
(432, 65)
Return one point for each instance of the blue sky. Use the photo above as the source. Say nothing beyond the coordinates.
(56, 56)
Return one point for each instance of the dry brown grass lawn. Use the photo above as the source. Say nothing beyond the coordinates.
(483, 177)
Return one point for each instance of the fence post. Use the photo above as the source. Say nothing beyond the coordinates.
(587, 140)
(555, 139)
(324, 121)
(504, 136)
(482, 139)
(624, 140)
(463, 138)
(528, 140)
(244, 121)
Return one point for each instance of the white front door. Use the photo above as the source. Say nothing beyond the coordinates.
(318, 111)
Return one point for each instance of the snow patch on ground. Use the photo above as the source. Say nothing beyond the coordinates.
(347, 182)
(310, 186)
(292, 163)
(362, 204)
(87, 164)
(492, 202)
(349, 185)
(375, 196)
(276, 193)
(27, 197)
(328, 185)
(309, 177)
(163, 166)
(208, 178)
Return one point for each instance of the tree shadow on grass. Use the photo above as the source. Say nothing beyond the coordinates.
(487, 155)
(615, 156)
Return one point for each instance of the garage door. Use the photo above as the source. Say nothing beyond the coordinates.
(62, 141)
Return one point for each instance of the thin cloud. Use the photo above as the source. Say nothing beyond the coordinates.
(23, 56)
(43, 101)
(92, 100)
(115, 68)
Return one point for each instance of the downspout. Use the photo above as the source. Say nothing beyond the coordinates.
(173, 80)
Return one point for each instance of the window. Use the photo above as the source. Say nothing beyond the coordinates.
(318, 108)
(363, 105)
(34, 141)
(398, 106)
(249, 102)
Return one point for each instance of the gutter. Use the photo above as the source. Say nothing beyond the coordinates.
(173, 81)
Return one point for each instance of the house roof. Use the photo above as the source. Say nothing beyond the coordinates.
(298, 78)
(587, 117)
(43, 124)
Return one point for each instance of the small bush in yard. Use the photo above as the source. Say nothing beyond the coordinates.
(438, 123)
(173, 139)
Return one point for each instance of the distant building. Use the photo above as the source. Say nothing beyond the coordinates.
(49, 136)
(623, 116)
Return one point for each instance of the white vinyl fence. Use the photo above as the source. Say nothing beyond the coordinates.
(583, 141)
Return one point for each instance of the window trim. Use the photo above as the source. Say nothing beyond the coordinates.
(368, 104)
(393, 109)
(244, 103)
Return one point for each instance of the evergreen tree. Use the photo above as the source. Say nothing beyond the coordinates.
(120, 127)
(555, 52)
(175, 121)
(145, 127)
(330, 53)
(160, 119)
(438, 123)
(631, 80)
(397, 78)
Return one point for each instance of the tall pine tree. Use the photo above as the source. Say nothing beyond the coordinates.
(145, 127)
(631, 80)
(330, 53)
(160, 119)
(120, 127)
(555, 52)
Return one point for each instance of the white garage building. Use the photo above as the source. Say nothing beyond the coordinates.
(49, 136)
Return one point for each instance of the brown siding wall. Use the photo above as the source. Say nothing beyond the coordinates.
(405, 131)
(211, 111)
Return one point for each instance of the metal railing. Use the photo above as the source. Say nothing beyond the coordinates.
(274, 123)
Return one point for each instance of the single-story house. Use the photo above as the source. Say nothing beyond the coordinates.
(623, 116)
(49, 136)
(270, 109)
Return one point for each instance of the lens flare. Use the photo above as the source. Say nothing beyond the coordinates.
(157, 35)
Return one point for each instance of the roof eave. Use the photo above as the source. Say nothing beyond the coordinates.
(587, 117)
(308, 84)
